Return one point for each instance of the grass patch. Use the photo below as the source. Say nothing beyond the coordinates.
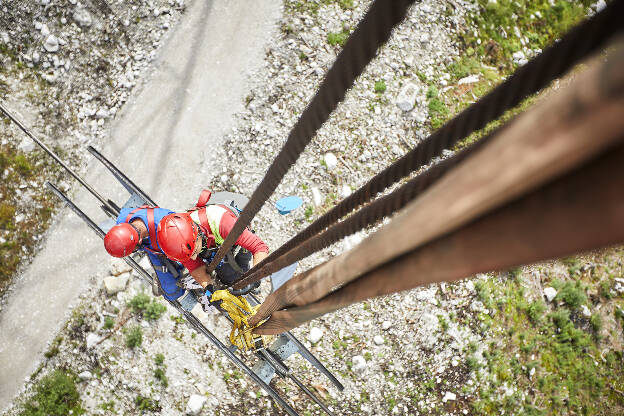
(54, 347)
(134, 336)
(147, 403)
(550, 357)
(339, 38)
(494, 32)
(380, 87)
(55, 394)
(147, 306)
(159, 371)
(571, 293)
(108, 322)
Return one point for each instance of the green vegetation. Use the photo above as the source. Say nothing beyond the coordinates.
(108, 322)
(159, 371)
(444, 325)
(549, 353)
(108, 406)
(148, 306)
(313, 6)
(339, 38)
(504, 25)
(54, 347)
(159, 359)
(16, 168)
(494, 32)
(572, 293)
(134, 336)
(147, 403)
(380, 86)
(308, 212)
(55, 394)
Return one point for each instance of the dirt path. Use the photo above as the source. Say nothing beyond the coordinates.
(160, 139)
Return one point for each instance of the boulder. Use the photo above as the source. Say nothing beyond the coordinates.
(315, 335)
(359, 364)
(51, 44)
(407, 96)
(119, 266)
(82, 17)
(85, 375)
(195, 404)
(115, 284)
(330, 161)
(92, 340)
(550, 293)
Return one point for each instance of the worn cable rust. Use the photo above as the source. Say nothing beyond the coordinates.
(372, 32)
(578, 43)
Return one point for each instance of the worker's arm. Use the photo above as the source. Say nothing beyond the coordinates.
(259, 256)
(201, 276)
(197, 269)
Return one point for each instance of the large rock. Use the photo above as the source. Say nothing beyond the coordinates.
(119, 266)
(92, 340)
(115, 284)
(317, 199)
(330, 161)
(51, 44)
(315, 335)
(359, 364)
(195, 404)
(550, 293)
(85, 375)
(428, 324)
(449, 396)
(407, 96)
(82, 17)
(27, 145)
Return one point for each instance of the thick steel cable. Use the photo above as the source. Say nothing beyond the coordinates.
(367, 216)
(578, 43)
(361, 47)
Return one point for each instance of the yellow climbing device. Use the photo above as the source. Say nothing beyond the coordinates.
(239, 310)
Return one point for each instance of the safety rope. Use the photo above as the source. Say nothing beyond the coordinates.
(239, 310)
(372, 32)
(579, 42)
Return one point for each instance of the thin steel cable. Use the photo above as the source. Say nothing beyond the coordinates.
(578, 43)
(372, 32)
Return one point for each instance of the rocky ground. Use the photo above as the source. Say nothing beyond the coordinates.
(66, 68)
(490, 345)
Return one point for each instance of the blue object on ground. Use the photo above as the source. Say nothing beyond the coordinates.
(282, 276)
(288, 203)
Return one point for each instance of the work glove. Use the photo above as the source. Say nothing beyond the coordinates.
(207, 305)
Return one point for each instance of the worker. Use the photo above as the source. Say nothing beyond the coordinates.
(193, 238)
(136, 230)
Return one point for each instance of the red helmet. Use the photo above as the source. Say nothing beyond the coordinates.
(121, 240)
(177, 234)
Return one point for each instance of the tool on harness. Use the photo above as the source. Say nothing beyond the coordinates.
(239, 310)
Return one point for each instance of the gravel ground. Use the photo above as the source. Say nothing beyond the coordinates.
(401, 354)
(66, 68)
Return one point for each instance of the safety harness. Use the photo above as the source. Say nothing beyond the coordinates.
(209, 211)
(151, 226)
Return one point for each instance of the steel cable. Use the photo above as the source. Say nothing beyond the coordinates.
(372, 32)
(578, 43)
(365, 217)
